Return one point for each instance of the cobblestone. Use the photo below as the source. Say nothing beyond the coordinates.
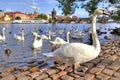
(105, 67)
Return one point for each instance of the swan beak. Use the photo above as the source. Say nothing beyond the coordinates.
(106, 13)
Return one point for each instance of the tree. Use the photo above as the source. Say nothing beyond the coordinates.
(67, 6)
(90, 6)
(115, 14)
(42, 16)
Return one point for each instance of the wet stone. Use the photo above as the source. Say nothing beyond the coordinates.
(69, 69)
(53, 71)
(48, 79)
(103, 77)
(8, 77)
(24, 78)
(44, 70)
(96, 70)
(62, 73)
(66, 77)
(22, 74)
(108, 72)
(61, 67)
(74, 75)
(35, 74)
(114, 67)
(9, 70)
(96, 60)
(54, 76)
(4, 74)
(82, 69)
(23, 69)
(89, 76)
(89, 65)
(114, 78)
(40, 77)
(117, 74)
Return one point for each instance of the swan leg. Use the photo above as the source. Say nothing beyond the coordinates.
(75, 67)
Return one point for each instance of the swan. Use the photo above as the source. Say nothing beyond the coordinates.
(20, 38)
(76, 53)
(60, 41)
(2, 36)
(37, 43)
(78, 35)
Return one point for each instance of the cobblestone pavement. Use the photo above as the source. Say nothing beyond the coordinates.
(105, 67)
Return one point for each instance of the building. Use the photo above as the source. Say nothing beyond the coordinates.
(1, 14)
(21, 15)
(54, 14)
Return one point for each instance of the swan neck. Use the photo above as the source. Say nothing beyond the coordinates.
(67, 37)
(96, 42)
(3, 33)
(49, 34)
(22, 33)
(35, 38)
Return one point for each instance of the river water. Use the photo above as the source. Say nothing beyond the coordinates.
(22, 52)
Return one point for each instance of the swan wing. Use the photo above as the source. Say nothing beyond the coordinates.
(54, 42)
(37, 43)
(17, 37)
(1, 37)
(60, 40)
(77, 52)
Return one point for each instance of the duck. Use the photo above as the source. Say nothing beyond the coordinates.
(20, 38)
(60, 41)
(76, 53)
(2, 36)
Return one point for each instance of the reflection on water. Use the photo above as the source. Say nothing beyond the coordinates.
(22, 52)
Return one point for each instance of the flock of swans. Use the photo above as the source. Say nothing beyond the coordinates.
(38, 39)
(69, 52)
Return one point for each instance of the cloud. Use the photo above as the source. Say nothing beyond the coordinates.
(32, 5)
(50, 1)
(8, 10)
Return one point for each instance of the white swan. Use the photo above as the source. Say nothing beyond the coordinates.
(2, 36)
(42, 36)
(78, 35)
(37, 44)
(60, 41)
(20, 38)
(76, 53)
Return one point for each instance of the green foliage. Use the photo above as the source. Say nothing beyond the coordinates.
(90, 6)
(42, 16)
(67, 6)
(116, 15)
(114, 1)
(50, 20)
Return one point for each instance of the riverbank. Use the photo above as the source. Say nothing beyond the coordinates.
(105, 67)
(5, 22)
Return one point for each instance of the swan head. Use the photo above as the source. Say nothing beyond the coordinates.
(100, 11)
(68, 32)
(3, 28)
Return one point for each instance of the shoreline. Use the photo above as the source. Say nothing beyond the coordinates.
(105, 67)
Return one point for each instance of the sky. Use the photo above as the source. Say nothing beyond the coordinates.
(28, 6)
